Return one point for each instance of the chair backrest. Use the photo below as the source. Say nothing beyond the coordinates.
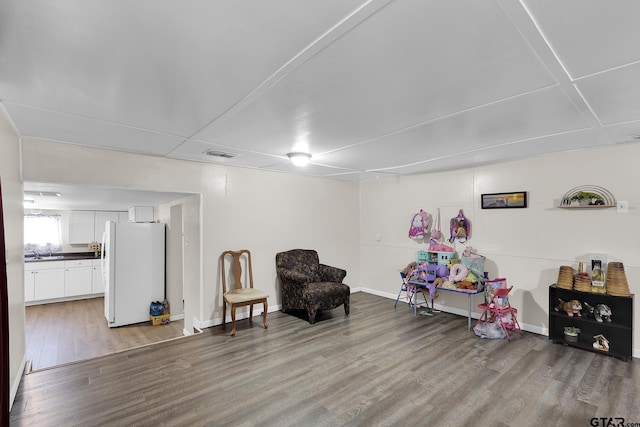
(501, 298)
(303, 261)
(502, 292)
(236, 268)
(404, 278)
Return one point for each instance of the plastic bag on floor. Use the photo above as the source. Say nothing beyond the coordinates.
(489, 330)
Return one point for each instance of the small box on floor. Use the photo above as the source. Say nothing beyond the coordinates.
(162, 319)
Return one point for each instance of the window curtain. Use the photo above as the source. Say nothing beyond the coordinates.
(42, 233)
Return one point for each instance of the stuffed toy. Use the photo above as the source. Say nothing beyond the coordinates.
(602, 312)
(447, 284)
(438, 282)
(465, 284)
(409, 269)
(458, 273)
(571, 307)
(442, 271)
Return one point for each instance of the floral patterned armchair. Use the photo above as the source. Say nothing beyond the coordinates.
(308, 285)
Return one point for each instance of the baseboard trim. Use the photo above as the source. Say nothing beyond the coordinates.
(17, 381)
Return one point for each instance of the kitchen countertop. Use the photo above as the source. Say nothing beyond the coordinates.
(61, 256)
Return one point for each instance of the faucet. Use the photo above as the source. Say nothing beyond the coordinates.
(36, 254)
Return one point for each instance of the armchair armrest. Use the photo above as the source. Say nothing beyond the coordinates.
(328, 273)
(292, 276)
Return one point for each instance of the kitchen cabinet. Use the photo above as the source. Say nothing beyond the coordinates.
(87, 226)
(78, 277)
(81, 227)
(618, 332)
(44, 280)
(97, 285)
(141, 214)
(101, 217)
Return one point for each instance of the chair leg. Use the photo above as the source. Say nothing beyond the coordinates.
(402, 289)
(312, 315)
(346, 307)
(264, 314)
(251, 313)
(224, 315)
(484, 314)
(233, 320)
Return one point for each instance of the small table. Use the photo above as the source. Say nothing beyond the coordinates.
(468, 292)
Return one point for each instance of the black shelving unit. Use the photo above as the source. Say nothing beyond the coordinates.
(619, 331)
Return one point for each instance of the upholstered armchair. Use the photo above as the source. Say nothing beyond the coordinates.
(308, 285)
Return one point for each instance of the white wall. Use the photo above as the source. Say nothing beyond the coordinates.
(270, 212)
(12, 196)
(527, 246)
(265, 212)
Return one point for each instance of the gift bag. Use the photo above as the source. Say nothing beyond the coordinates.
(491, 286)
(474, 262)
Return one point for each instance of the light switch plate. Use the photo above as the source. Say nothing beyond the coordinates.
(623, 206)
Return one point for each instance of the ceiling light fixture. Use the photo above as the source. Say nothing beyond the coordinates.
(299, 159)
(43, 193)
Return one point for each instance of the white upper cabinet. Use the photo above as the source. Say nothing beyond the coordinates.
(101, 217)
(81, 227)
(88, 226)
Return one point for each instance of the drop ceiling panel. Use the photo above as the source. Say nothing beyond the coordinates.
(161, 65)
(439, 60)
(624, 132)
(614, 96)
(532, 148)
(589, 36)
(54, 126)
(580, 140)
(311, 169)
(541, 113)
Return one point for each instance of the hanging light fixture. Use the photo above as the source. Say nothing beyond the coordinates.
(299, 159)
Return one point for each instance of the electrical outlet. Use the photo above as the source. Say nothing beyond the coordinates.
(622, 206)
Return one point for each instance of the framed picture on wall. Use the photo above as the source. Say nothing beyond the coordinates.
(516, 199)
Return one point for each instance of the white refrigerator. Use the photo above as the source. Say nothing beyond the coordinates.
(133, 267)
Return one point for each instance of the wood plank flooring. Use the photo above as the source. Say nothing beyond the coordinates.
(69, 331)
(379, 366)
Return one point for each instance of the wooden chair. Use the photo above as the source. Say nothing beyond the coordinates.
(239, 295)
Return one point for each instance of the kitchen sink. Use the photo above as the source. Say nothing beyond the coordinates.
(44, 258)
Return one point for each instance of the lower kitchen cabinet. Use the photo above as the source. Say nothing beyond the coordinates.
(44, 280)
(78, 278)
(97, 286)
(51, 281)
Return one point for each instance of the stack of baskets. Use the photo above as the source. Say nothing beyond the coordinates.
(616, 283)
(582, 283)
(565, 277)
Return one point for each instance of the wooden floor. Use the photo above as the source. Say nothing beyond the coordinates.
(376, 367)
(69, 331)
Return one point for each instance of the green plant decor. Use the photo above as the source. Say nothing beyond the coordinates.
(584, 195)
(571, 330)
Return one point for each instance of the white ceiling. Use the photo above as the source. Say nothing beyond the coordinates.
(369, 87)
(55, 196)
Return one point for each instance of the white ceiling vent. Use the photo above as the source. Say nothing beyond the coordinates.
(222, 154)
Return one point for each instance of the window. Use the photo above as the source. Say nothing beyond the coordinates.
(42, 233)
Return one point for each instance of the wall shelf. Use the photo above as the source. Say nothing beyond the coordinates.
(601, 195)
(587, 207)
